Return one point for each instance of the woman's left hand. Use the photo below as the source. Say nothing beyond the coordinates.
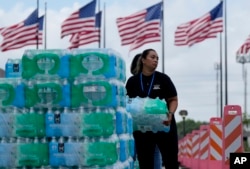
(168, 121)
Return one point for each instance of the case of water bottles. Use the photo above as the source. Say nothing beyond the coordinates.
(83, 152)
(47, 92)
(64, 108)
(101, 63)
(22, 152)
(22, 123)
(52, 62)
(148, 114)
(97, 92)
(85, 122)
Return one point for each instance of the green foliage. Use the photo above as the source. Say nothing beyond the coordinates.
(246, 119)
(190, 125)
(246, 146)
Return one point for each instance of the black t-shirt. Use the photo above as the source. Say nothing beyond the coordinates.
(140, 85)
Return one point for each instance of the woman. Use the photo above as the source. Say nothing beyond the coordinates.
(134, 68)
(150, 83)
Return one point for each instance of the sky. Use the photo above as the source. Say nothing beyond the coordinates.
(192, 69)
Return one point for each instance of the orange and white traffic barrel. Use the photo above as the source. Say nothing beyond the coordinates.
(204, 146)
(189, 155)
(232, 131)
(195, 149)
(215, 143)
(181, 151)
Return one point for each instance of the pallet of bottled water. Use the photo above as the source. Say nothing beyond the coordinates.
(64, 108)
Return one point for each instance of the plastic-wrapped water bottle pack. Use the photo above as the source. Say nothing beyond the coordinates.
(148, 114)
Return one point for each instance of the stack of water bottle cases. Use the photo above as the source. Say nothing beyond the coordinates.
(65, 109)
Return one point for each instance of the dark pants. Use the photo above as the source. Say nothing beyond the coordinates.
(168, 145)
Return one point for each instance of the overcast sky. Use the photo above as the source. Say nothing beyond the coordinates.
(192, 69)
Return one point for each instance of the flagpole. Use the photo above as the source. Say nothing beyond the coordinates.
(99, 43)
(226, 96)
(45, 27)
(37, 32)
(162, 38)
(104, 25)
(221, 81)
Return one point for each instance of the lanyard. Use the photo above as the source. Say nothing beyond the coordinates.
(151, 84)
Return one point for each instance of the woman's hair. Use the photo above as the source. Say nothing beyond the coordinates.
(143, 55)
(134, 64)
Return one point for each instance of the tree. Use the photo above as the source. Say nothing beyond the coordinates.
(190, 125)
(246, 119)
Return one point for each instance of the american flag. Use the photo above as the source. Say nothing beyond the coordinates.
(243, 53)
(87, 37)
(28, 32)
(79, 21)
(199, 29)
(142, 27)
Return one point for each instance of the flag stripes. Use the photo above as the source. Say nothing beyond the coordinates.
(141, 28)
(199, 29)
(28, 32)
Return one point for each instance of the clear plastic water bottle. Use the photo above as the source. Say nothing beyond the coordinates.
(124, 147)
(129, 123)
(56, 152)
(131, 146)
(53, 123)
(13, 68)
(121, 121)
(121, 68)
(49, 121)
(66, 92)
(64, 68)
(69, 123)
(5, 123)
(131, 163)
(136, 165)
(7, 153)
(19, 100)
(73, 152)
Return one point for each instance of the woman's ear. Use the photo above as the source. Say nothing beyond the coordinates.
(142, 60)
